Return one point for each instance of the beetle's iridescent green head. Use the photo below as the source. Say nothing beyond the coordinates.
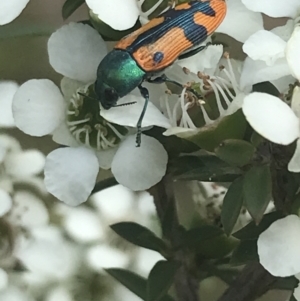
(118, 74)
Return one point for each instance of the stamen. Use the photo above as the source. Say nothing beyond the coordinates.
(106, 141)
(227, 101)
(232, 76)
(207, 120)
(169, 114)
(77, 122)
(119, 135)
(71, 112)
(216, 91)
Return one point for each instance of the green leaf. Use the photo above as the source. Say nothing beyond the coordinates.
(70, 6)
(232, 204)
(160, 279)
(134, 282)
(139, 235)
(197, 236)
(207, 168)
(235, 152)
(287, 283)
(229, 127)
(293, 298)
(245, 252)
(107, 32)
(257, 191)
(172, 144)
(252, 231)
(266, 87)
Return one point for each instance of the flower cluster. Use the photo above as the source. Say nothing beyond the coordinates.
(215, 85)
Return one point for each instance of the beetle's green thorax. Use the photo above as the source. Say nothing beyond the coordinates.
(117, 75)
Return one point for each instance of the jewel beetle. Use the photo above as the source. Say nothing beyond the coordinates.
(145, 53)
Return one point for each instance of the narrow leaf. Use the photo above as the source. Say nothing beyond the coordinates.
(134, 282)
(204, 168)
(235, 152)
(232, 205)
(70, 6)
(257, 191)
(160, 279)
(139, 235)
(229, 127)
(252, 231)
(245, 252)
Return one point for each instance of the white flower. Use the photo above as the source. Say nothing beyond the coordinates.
(108, 11)
(20, 207)
(274, 8)
(7, 91)
(279, 247)
(263, 111)
(234, 23)
(104, 248)
(273, 55)
(9, 10)
(39, 109)
(214, 76)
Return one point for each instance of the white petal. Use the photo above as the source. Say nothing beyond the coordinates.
(69, 86)
(7, 92)
(75, 51)
(234, 23)
(263, 111)
(9, 10)
(25, 164)
(114, 203)
(264, 45)
(38, 107)
(279, 247)
(70, 174)
(129, 115)
(297, 293)
(3, 279)
(90, 228)
(63, 136)
(258, 71)
(9, 143)
(292, 52)
(107, 12)
(294, 164)
(5, 202)
(282, 83)
(53, 259)
(206, 59)
(59, 293)
(295, 105)
(105, 157)
(274, 8)
(285, 31)
(12, 293)
(102, 256)
(28, 210)
(144, 166)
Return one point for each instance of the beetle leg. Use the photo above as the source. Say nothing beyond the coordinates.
(192, 52)
(145, 94)
(164, 79)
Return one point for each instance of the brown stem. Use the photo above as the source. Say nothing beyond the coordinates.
(252, 282)
(186, 285)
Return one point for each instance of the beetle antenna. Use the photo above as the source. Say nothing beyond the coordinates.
(87, 96)
(145, 94)
(125, 104)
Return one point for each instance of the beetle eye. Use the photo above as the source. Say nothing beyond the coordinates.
(111, 95)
